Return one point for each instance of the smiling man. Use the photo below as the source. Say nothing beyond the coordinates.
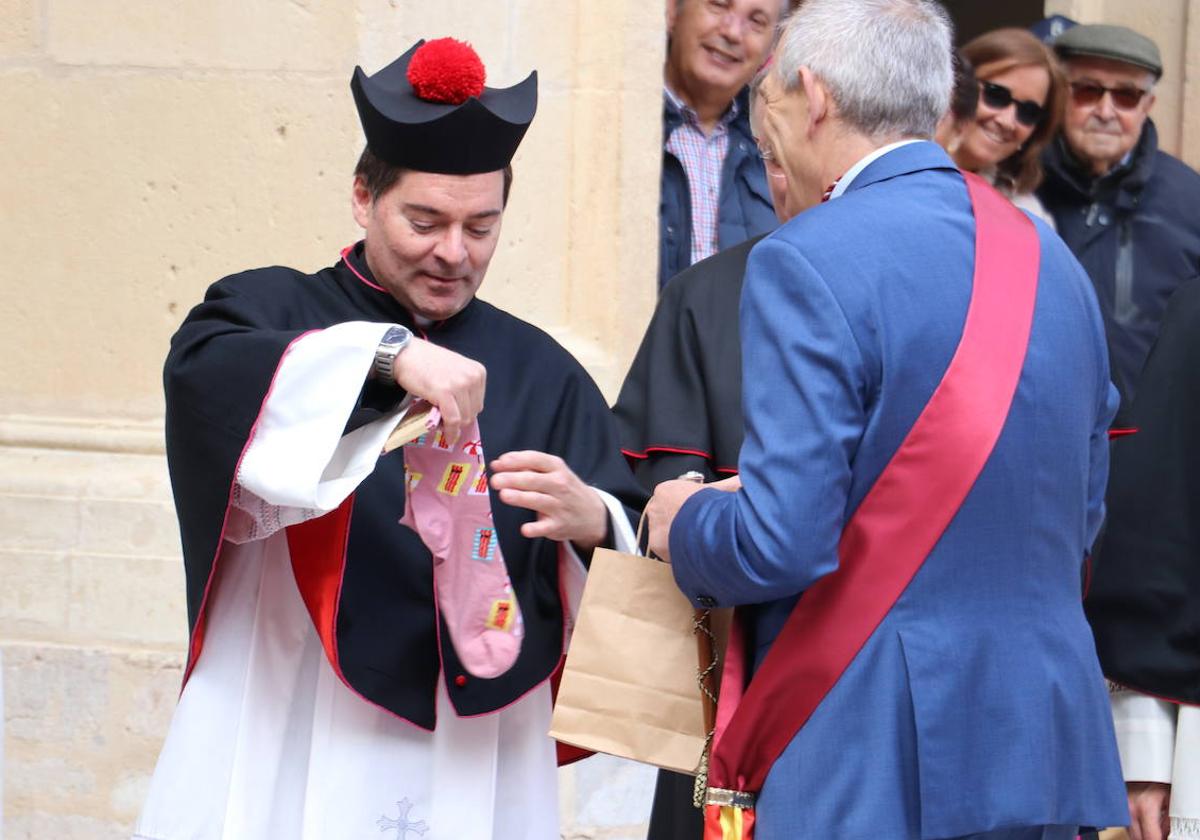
(372, 636)
(1128, 210)
(713, 194)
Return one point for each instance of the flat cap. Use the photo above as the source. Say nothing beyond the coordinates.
(1117, 43)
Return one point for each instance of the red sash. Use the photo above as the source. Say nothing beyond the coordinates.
(894, 529)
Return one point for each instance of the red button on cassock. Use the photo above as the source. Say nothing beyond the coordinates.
(460, 681)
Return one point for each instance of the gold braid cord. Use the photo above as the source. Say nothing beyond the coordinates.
(701, 626)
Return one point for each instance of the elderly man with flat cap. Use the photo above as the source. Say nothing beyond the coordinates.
(1128, 210)
(373, 635)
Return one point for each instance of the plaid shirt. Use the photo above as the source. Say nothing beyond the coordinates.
(703, 157)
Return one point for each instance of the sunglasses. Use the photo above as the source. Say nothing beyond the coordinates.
(1089, 93)
(998, 97)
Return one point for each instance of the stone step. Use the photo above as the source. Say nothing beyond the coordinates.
(91, 598)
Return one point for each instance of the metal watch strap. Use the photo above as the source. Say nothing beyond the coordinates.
(393, 341)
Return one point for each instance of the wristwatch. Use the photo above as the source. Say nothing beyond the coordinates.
(393, 341)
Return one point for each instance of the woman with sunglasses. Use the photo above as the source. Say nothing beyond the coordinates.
(1022, 91)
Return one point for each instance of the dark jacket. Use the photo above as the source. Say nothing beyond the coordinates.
(1137, 232)
(745, 202)
(1144, 601)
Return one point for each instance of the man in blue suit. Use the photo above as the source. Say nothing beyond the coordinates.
(976, 707)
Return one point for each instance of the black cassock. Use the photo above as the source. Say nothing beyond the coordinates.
(1144, 599)
(680, 409)
(389, 649)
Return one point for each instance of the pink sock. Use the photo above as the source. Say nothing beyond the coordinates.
(447, 504)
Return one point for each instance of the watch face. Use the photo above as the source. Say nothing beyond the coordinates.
(395, 335)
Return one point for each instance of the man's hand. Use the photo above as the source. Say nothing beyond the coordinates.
(566, 508)
(664, 505)
(453, 383)
(1149, 810)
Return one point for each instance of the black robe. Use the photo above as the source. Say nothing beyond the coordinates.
(1144, 598)
(386, 634)
(680, 409)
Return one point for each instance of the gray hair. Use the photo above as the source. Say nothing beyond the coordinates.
(887, 63)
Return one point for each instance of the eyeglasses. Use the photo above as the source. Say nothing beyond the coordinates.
(998, 97)
(1123, 98)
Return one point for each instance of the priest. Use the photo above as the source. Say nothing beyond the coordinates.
(373, 635)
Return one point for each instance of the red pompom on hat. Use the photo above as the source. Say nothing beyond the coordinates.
(429, 110)
(446, 70)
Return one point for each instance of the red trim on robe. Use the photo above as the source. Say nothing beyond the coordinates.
(676, 450)
(566, 753)
(318, 554)
(346, 259)
(1173, 701)
(1113, 434)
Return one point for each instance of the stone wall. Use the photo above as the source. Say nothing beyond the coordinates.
(153, 147)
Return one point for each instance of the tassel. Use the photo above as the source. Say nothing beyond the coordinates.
(728, 822)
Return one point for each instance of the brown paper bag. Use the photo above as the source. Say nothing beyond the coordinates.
(629, 687)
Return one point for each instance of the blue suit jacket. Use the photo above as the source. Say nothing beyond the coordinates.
(978, 703)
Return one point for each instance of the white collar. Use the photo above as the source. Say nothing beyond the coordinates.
(854, 171)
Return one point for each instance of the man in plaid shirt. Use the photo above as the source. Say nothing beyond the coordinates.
(714, 191)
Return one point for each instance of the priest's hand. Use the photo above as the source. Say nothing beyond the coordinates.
(566, 508)
(1149, 809)
(453, 383)
(664, 506)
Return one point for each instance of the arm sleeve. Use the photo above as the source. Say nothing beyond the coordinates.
(804, 408)
(1145, 728)
(299, 455)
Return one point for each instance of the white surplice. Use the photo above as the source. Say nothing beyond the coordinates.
(266, 740)
(1160, 742)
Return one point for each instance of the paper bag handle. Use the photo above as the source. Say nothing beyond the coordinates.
(690, 475)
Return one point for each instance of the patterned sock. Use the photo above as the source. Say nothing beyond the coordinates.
(447, 504)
